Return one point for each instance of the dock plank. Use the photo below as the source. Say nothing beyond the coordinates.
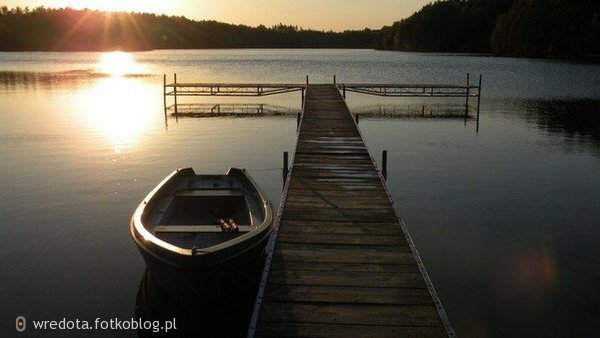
(347, 331)
(349, 295)
(280, 262)
(363, 314)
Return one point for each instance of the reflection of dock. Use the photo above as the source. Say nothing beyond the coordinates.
(200, 110)
(393, 111)
(341, 261)
(412, 112)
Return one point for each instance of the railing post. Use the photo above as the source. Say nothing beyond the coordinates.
(384, 164)
(298, 120)
(478, 100)
(165, 94)
(468, 92)
(357, 118)
(479, 95)
(175, 90)
(344, 90)
(285, 166)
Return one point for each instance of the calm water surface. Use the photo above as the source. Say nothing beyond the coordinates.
(506, 219)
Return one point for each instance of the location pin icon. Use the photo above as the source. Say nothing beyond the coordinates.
(21, 324)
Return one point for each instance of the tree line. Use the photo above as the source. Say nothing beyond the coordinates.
(527, 28)
(67, 29)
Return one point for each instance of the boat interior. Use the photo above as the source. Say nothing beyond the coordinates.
(205, 210)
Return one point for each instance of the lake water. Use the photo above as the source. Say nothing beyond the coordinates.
(506, 219)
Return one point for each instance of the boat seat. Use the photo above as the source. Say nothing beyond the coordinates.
(209, 192)
(198, 228)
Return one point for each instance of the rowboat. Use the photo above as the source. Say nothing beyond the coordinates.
(197, 232)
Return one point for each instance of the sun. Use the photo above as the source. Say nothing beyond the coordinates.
(156, 6)
(104, 5)
(118, 64)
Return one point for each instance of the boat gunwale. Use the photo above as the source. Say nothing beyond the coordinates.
(141, 234)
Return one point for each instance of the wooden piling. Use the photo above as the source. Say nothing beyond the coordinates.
(286, 167)
(384, 164)
(175, 91)
(165, 94)
(467, 96)
(479, 96)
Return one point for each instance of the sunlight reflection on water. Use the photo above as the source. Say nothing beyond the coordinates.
(119, 109)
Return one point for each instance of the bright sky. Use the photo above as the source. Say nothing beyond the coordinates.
(318, 14)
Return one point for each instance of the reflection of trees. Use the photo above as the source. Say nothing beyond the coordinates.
(575, 120)
(12, 80)
(33, 80)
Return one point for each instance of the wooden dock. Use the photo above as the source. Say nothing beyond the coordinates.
(185, 89)
(341, 262)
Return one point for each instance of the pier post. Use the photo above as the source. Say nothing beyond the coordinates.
(334, 80)
(479, 95)
(285, 166)
(175, 91)
(357, 118)
(344, 91)
(165, 94)
(307, 80)
(298, 120)
(384, 164)
(468, 92)
(302, 103)
(478, 100)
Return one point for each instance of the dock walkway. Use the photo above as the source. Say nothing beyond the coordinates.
(341, 262)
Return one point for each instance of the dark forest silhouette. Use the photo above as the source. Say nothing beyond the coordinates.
(525, 28)
(67, 29)
(528, 28)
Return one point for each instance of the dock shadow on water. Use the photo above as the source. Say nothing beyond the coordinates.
(220, 306)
